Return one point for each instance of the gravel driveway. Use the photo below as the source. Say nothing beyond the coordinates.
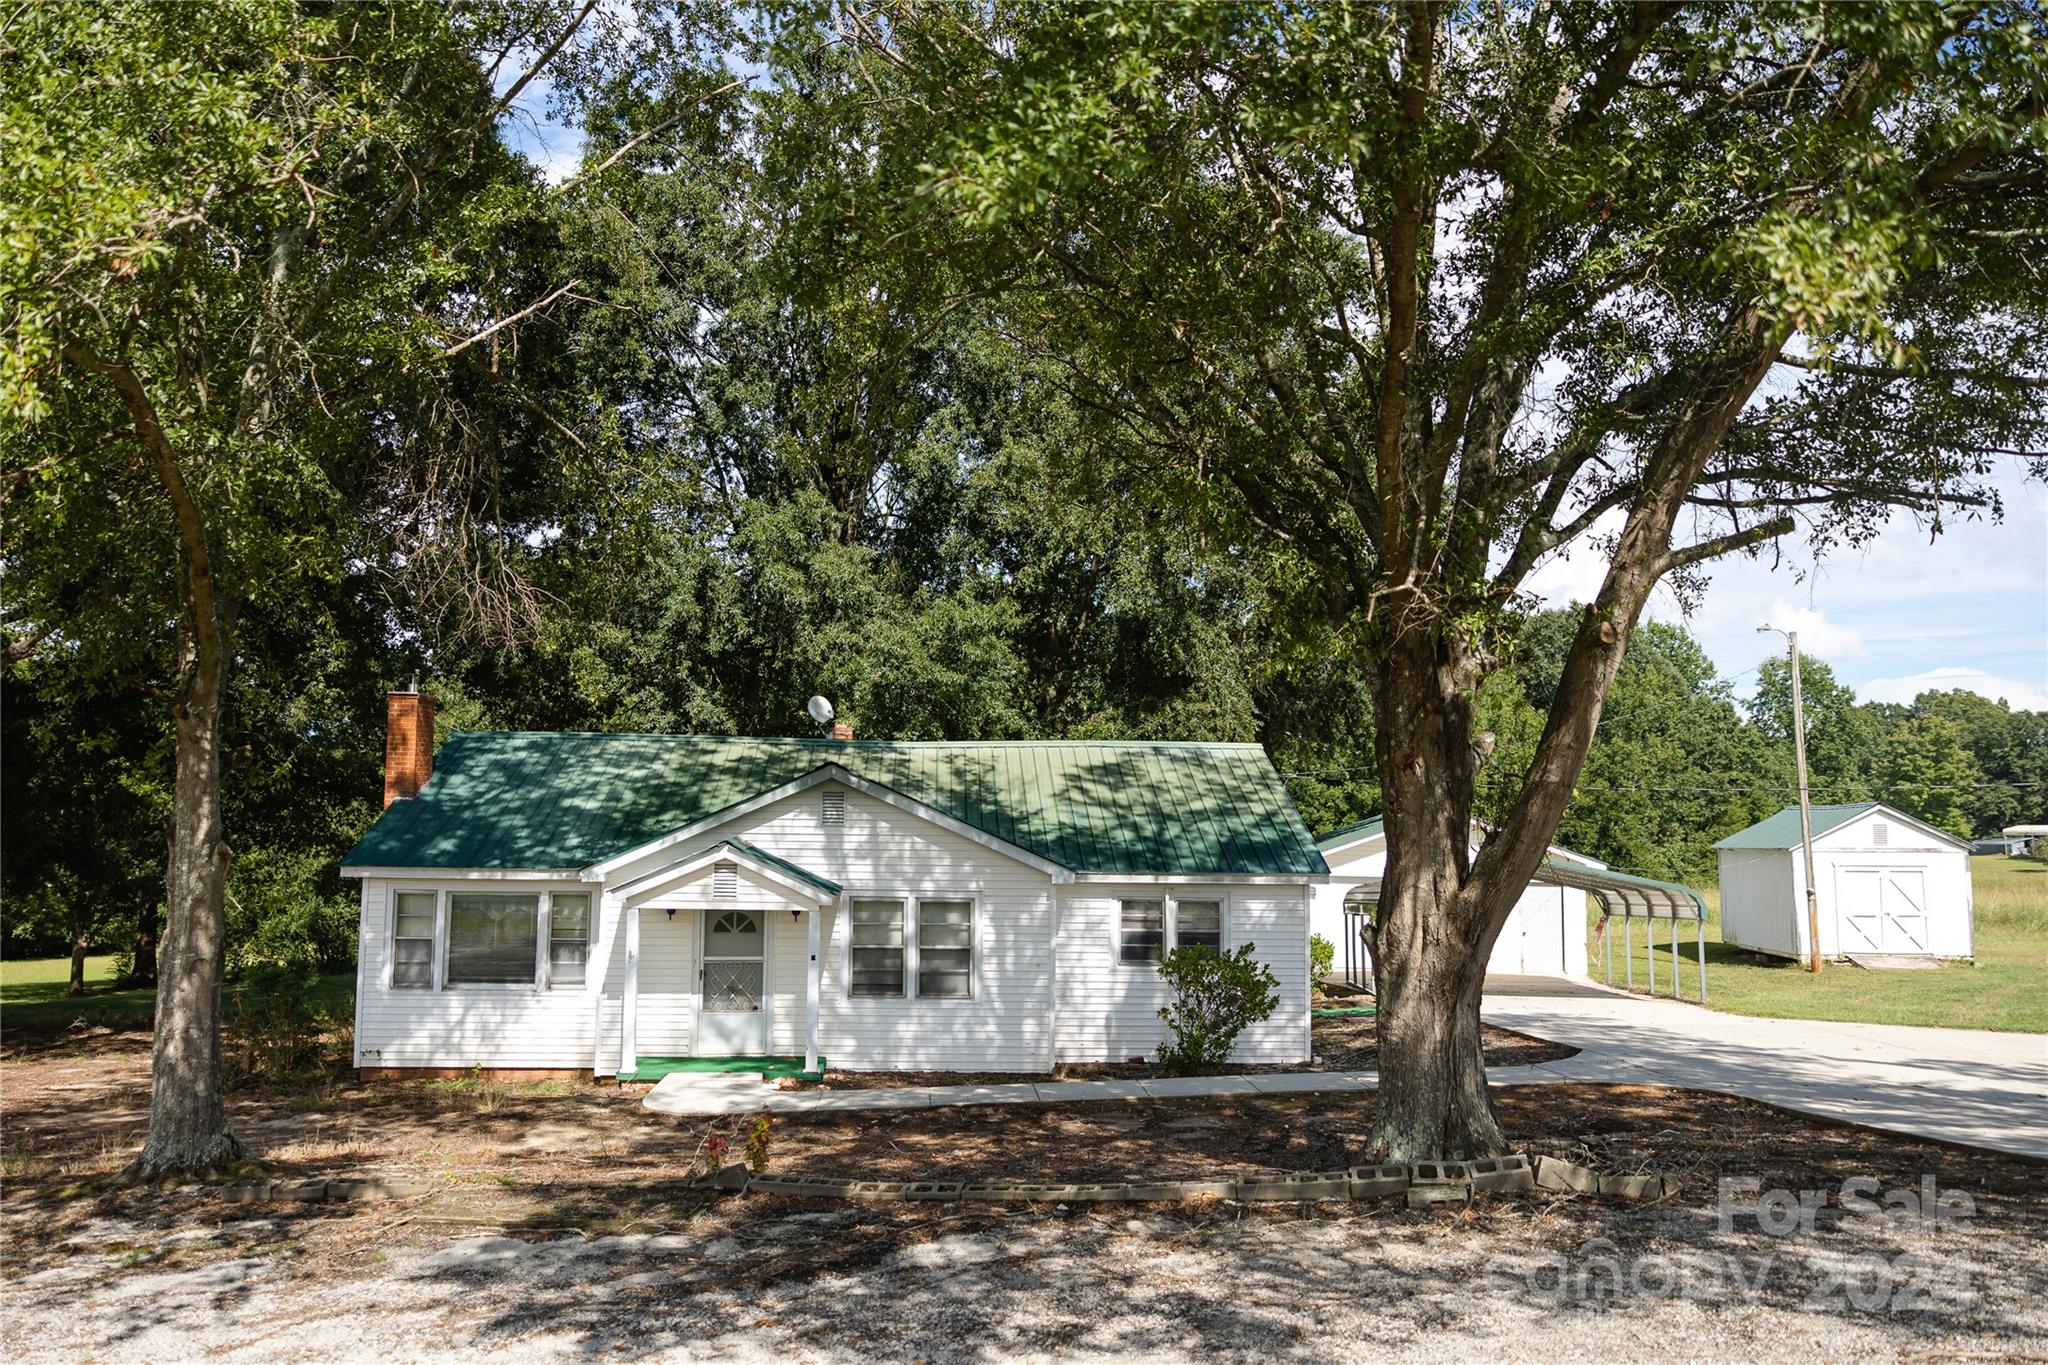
(778, 1281)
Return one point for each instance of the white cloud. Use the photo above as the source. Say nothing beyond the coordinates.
(1817, 634)
(2022, 696)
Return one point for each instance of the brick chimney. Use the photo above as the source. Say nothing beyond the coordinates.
(408, 744)
(841, 730)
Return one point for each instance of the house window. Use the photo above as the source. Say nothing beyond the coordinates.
(1198, 924)
(1143, 931)
(945, 949)
(492, 939)
(568, 938)
(1149, 929)
(877, 948)
(412, 940)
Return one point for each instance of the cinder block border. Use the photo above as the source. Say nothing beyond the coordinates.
(1422, 1184)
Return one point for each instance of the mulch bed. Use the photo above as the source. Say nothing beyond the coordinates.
(1341, 1043)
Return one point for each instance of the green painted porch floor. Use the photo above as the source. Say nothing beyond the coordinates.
(771, 1068)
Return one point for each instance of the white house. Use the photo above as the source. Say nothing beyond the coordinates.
(1887, 884)
(1545, 934)
(593, 903)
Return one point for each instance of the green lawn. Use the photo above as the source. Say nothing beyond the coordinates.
(33, 1002)
(2007, 988)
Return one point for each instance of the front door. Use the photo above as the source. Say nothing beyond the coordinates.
(732, 1019)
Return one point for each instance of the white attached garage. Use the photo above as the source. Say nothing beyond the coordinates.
(1887, 885)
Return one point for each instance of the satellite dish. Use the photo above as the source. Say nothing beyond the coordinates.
(820, 709)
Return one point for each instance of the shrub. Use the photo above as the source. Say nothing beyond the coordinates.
(1217, 996)
(1322, 956)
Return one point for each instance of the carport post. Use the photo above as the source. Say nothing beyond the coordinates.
(1628, 948)
(1607, 939)
(1649, 934)
(1703, 958)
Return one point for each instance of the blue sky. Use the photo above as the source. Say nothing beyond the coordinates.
(1899, 616)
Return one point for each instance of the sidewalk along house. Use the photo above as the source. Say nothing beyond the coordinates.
(1889, 885)
(1545, 934)
(590, 903)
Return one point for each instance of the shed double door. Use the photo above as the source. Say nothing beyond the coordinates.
(1881, 910)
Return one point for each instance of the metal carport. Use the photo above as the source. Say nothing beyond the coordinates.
(1633, 898)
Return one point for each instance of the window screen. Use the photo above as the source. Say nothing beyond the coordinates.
(1143, 931)
(568, 937)
(1199, 924)
(412, 940)
(491, 939)
(877, 948)
(945, 949)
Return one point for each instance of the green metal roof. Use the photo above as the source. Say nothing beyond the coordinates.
(802, 874)
(524, 799)
(1781, 831)
(1351, 833)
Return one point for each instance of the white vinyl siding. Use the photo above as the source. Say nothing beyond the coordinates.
(1109, 1009)
(500, 1026)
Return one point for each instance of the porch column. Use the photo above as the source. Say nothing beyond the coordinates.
(811, 979)
(629, 1006)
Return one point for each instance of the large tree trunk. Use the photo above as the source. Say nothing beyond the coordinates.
(188, 1128)
(1429, 945)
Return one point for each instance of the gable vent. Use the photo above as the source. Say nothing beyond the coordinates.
(1880, 834)
(833, 809)
(725, 882)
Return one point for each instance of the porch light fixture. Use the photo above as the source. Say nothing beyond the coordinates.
(671, 912)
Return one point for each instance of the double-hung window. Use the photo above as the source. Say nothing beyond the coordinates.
(412, 940)
(568, 937)
(945, 949)
(912, 949)
(879, 948)
(1148, 928)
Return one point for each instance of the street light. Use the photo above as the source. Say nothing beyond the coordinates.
(1805, 810)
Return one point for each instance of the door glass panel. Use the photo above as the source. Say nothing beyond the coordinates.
(732, 987)
(736, 933)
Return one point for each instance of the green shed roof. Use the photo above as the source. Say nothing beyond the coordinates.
(524, 799)
(1781, 831)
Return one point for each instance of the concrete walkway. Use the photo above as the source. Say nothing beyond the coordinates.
(1980, 1089)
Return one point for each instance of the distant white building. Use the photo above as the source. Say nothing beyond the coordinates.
(1888, 884)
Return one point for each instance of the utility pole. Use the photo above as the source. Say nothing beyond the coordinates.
(1805, 806)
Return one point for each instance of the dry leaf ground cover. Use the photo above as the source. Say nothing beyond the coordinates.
(558, 1224)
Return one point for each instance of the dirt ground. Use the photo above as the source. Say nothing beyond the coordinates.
(558, 1226)
(1339, 1043)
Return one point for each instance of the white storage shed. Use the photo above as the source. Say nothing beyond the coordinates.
(1888, 885)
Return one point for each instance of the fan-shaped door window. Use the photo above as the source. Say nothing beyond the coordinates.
(735, 933)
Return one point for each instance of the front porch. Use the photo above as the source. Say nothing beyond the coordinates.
(768, 1068)
(717, 1005)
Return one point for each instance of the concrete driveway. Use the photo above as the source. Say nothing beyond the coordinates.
(1956, 1085)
